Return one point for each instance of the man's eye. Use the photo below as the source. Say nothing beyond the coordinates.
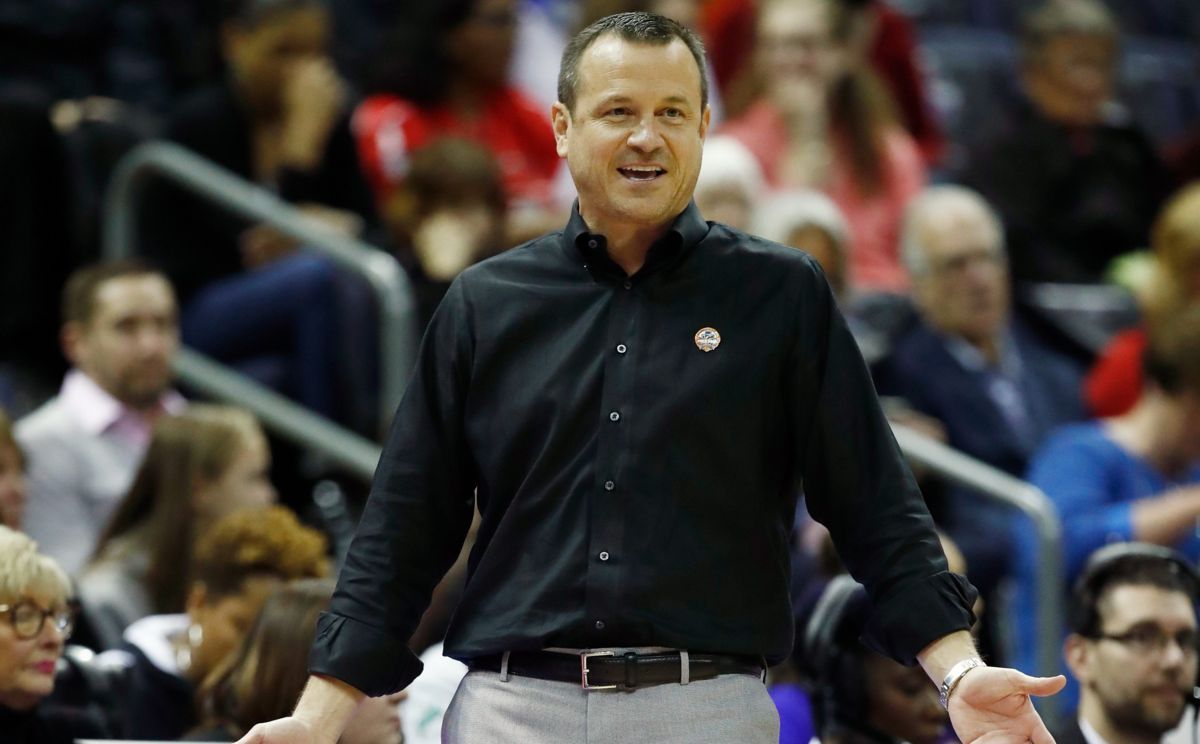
(619, 111)
(673, 113)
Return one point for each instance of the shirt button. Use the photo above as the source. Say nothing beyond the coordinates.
(604, 555)
(609, 485)
(621, 348)
(628, 284)
(599, 625)
(614, 416)
(591, 244)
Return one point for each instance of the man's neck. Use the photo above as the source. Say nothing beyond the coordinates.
(1091, 713)
(628, 245)
(1141, 432)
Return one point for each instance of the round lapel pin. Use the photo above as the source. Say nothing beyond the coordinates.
(707, 339)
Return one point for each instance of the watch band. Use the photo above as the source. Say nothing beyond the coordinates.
(954, 676)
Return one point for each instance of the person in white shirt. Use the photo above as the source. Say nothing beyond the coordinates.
(120, 332)
(1133, 646)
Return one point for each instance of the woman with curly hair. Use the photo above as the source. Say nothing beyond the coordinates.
(238, 562)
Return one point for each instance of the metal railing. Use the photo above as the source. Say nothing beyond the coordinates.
(999, 486)
(393, 293)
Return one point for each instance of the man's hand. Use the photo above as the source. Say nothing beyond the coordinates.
(280, 731)
(991, 705)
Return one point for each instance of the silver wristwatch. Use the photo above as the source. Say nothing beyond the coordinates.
(953, 677)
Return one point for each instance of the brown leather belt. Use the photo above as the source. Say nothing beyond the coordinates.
(605, 670)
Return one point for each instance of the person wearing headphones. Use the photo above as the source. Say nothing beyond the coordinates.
(1133, 645)
(859, 696)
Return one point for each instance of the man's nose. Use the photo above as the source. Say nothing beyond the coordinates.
(645, 137)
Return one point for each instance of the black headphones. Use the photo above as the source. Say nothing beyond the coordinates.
(830, 661)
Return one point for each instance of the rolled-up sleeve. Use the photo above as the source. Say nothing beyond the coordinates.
(415, 520)
(857, 484)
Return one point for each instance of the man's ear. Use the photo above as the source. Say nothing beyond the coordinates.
(70, 338)
(1077, 653)
(560, 117)
(705, 120)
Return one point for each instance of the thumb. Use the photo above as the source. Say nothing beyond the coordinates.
(1039, 685)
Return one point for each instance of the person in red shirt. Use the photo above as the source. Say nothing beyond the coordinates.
(444, 72)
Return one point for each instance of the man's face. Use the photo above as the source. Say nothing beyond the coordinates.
(482, 47)
(1139, 690)
(128, 344)
(1072, 78)
(964, 290)
(263, 58)
(634, 140)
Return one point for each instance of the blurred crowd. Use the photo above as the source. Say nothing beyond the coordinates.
(1005, 198)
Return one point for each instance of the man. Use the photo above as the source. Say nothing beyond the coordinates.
(1078, 183)
(632, 402)
(986, 379)
(83, 446)
(1132, 477)
(1133, 645)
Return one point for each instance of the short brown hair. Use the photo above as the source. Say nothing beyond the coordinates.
(638, 28)
(79, 294)
(1056, 18)
(253, 542)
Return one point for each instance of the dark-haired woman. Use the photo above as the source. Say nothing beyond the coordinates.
(823, 122)
(444, 71)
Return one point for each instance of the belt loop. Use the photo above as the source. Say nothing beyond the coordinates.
(685, 668)
(504, 666)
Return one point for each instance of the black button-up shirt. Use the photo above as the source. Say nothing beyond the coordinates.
(635, 490)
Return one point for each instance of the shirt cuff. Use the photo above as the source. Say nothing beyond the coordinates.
(363, 657)
(918, 613)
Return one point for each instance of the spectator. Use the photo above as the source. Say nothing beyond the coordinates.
(1115, 382)
(1132, 477)
(238, 563)
(1076, 181)
(12, 476)
(279, 120)
(200, 466)
(730, 184)
(120, 334)
(1133, 645)
(35, 622)
(262, 680)
(447, 214)
(824, 123)
(861, 696)
(810, 221)
(968, 364)
(445, 71)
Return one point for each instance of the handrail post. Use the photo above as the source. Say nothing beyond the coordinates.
(392, 290)
(999, 486)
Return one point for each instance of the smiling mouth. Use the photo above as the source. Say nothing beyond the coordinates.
(641, 173)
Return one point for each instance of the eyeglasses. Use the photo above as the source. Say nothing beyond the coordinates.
(1151, 639)
(28, 619)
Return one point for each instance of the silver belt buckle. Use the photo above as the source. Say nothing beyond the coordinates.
(583, 669)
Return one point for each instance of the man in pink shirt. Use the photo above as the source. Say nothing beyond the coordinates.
(120, 332)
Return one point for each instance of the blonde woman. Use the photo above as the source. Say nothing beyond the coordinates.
(35, 621)
(201, 465)
(1115, 383)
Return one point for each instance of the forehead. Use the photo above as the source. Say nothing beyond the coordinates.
(955, 226)
(124, 294)
(613, 67)
(786, 18)
(1130, 604)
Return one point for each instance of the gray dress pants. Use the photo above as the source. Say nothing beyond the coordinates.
(730, 709)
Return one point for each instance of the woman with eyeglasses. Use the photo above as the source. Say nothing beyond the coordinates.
(36, 619)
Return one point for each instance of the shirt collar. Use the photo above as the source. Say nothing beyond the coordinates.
(96, 410)
(972, 358)
(1090, 734)
(688, 229)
